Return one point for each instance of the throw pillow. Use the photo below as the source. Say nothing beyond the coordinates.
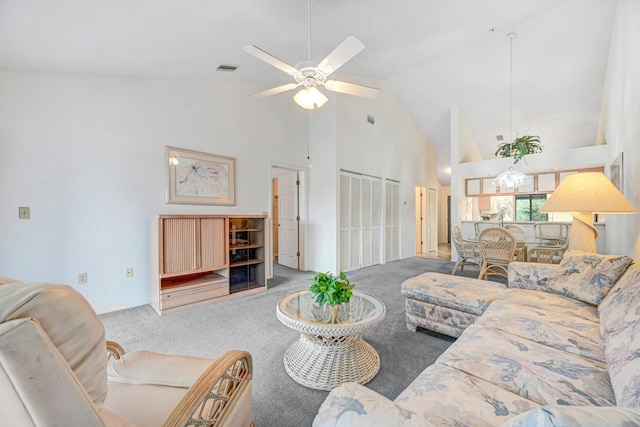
(587, 276)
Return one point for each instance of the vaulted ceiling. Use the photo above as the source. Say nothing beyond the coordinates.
(433, 53)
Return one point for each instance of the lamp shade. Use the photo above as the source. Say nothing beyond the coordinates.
(310, 98)
(582, 195)
(588, 192)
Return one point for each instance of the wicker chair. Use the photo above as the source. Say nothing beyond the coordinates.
(498, 248)
(483, 225)
(52, 352)
(521, 245)
(554, 242)
(468, 251)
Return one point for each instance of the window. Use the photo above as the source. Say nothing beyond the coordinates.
(528, 207)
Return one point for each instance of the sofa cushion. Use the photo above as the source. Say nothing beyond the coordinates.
(535, 371)
(69, 322)
(446, 396)
(559, 330)
(4, 280)
(456, 292)
(352, 405)
(146, 367)
(620, 328)
(576, 416)
(587, 276)
(550, 302)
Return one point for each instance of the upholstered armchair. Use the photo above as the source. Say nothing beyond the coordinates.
(56, 369)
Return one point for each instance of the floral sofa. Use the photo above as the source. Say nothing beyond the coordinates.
(557, 346)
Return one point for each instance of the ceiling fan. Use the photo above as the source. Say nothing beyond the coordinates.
(310, 75)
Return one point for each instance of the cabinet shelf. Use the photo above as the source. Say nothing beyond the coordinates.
(238, 247)
(246, 262)
(242, 230)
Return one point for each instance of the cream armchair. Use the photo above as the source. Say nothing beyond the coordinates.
(54, 371)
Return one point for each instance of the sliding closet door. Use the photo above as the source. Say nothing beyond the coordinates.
(359, 221)
(392, 221)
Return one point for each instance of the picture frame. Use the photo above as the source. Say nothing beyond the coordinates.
(617, 173)
(197, 178)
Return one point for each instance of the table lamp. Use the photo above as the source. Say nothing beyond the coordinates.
(582, 195)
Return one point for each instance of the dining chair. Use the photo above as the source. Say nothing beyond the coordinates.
(498, 248)
(468, 251)
(554, 241)
(483, 225)
(521, 245)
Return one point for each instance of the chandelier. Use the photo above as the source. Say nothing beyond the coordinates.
(511, 179)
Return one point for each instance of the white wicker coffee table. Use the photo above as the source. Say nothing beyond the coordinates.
(327, 355)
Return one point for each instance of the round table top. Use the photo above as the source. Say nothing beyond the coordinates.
(299, 311)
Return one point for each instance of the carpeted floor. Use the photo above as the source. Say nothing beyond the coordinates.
(249, 323)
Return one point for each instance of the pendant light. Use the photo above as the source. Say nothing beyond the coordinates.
(511, 178)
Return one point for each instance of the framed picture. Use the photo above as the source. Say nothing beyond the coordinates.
(617, 177)
(196, 178)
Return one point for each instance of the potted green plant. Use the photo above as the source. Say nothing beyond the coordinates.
(520, 147)
(331, 290)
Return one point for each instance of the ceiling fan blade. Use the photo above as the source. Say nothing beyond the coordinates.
(346, 50)
(274, 90)
(269, 59)
(352, 89)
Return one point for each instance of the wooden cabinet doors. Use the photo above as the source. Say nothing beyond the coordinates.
(192, 244)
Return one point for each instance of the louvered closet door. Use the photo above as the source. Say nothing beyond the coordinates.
(350, 227)
(370, 221)
(213, 253)
(392, 221)
(359, 221)
(180, 245)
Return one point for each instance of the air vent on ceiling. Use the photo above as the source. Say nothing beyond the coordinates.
(499, 137)
(227, 68)
(371, 119)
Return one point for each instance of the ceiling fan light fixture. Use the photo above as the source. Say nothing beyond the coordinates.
(310, 98)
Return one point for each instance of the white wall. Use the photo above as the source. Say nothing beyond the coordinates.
(391, 148)
(86, 153)
(621, 103)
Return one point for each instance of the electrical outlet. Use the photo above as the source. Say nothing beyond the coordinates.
(24, 212)
(82, 278)
(128, 272)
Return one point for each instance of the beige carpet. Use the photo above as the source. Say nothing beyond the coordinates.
(249, 323)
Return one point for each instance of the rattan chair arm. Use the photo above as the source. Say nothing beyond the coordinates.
(209, 399)
(114, 350)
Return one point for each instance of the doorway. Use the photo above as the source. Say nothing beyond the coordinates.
(288, 200)
(426, 221)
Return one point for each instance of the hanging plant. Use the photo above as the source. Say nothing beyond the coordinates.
(520, 147)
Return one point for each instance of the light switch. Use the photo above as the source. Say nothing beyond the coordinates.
(24, 212)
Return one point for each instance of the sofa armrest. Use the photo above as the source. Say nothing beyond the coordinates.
(530, 275)
(353, 405)
(576, 416)
(222, 394)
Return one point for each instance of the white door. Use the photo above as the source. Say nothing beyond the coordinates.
(432, 221)
(421, 220)
(392, 220)
(288, 220)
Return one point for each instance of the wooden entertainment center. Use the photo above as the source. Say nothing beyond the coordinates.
(199, 259)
